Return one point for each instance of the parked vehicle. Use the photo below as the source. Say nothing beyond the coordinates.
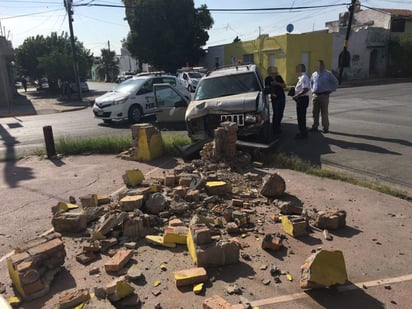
(235, 94)
(133, 98)
(83, 86)
(124, 76)
(190, 79)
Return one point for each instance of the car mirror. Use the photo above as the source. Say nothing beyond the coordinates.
(180, 103)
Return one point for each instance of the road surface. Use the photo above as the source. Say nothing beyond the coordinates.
(370, 132)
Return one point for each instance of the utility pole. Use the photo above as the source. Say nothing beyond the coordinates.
(344, 57)
(68, 6)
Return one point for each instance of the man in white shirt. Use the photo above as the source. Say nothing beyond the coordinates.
(323, 82)
(302, 100)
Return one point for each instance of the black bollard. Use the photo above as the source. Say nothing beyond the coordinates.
(49, 140)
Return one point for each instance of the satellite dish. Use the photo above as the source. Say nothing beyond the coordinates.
(289, 28)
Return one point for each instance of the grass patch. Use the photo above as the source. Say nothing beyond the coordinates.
(110, 145)
(295, 163)
(97, 145)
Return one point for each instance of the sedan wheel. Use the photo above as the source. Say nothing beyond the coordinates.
(135, 113)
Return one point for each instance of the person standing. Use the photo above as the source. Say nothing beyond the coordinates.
(277, 94)
(24, 83)
(302, 99)
(322, 82)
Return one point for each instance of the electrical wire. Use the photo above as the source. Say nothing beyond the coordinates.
(29, 14)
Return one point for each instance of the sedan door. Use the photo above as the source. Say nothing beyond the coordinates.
(170, 104)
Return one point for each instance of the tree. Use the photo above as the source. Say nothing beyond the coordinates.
(167, 33)
(51, 57)
(400, 50)
(236, 39)
(109, 65)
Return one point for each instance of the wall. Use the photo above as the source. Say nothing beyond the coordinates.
(214, 52)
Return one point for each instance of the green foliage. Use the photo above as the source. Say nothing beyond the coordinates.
(99, 145)
(167, 33)
(108, 67)
(51, 57)
(400, 51)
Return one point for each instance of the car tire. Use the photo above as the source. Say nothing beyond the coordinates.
(135, 114)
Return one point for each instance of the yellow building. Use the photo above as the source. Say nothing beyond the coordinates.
(283, 51)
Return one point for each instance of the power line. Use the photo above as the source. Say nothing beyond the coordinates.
(29, 14)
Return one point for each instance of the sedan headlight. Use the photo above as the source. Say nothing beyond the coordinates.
(120, 101)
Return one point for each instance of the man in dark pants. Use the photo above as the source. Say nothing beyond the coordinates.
(302, 100)
(277, 85)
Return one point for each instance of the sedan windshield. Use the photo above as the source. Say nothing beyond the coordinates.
(195, 75)
(226, 85)
(130, 85)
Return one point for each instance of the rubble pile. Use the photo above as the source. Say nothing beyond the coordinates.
(206, 205)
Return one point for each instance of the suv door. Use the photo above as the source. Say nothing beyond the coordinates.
(170, 104)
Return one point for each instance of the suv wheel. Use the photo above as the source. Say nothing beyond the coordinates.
(135, 113)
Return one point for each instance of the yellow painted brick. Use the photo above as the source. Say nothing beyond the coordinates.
(190, 276)
(177, 236)
(159, 240)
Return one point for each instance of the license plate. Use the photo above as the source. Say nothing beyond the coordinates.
(239, 119)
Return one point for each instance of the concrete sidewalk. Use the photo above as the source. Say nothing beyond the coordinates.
(375, 242)
(34, 102)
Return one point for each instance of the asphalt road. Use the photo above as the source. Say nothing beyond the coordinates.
(370, 132)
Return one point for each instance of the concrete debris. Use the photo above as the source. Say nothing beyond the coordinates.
(295, 226)
(288, 207)
(34, 264)
(331, 220)
(202, 205)
(119, 289)
(273, 186)
(273, 241)
(190, 276)
(69, 222)
(323, 269)
(74, 299)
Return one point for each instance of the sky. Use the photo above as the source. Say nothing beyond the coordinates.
(102, 27)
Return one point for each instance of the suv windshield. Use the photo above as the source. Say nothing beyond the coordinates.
(221, 86)
(194, 75)
(130, 85)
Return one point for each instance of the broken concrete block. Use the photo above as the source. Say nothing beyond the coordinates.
(137, 227)
(272, 242)
(156, 203)
(240, 218)
(178, 208)
(217, 188)
(190, 276)
(201, 234)
(32, 269)
(103, 199)
(185, 181)
(119, 289)
(216, 302)
(330, 220)
(237, 202)
(130, 203)
(73, 299)
(170, 180)
(288, 207)
(232, 228)
(323, 269)
(295, 226)
(62, 207)
(176, 235)
(180, 191)
(132, 178)
(89, 200)
(86, 258)
(118, 261)
(192, 195)
(93, 213)
(273, 186)
(147, 142)
(68, 222)
(107, 224)
(211, 253)
(134, 272)
(175, 222)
